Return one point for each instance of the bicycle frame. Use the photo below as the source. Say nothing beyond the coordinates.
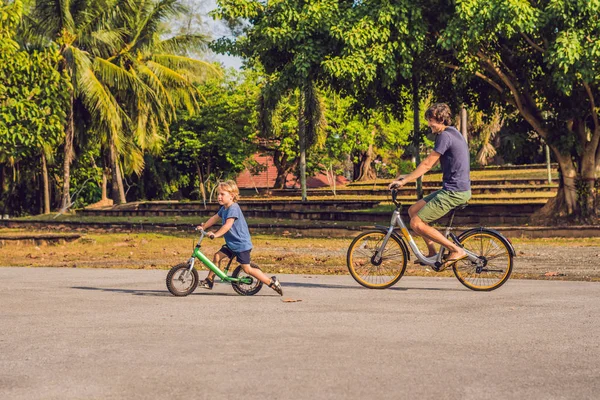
(197, 254)
(434, 261)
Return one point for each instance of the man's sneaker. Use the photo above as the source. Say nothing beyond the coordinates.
(205, 284)
(275, 285)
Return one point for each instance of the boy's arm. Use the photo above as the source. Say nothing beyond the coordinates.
(211, 221)
(223, 229)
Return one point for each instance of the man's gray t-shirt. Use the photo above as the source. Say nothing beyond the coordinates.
(238, 237)
(454, 160)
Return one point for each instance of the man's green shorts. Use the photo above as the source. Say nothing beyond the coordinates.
(440, 202)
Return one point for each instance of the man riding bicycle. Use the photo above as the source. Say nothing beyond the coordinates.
(452, 151)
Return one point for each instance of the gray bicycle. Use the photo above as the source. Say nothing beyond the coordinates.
(377, 258)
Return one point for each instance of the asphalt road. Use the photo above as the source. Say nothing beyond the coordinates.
(118, 334)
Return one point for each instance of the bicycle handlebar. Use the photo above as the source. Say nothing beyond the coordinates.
(203, 233)
(394, 198)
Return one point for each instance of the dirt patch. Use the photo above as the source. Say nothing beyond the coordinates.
(574, 259)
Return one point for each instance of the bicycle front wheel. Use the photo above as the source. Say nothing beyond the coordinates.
(495, 266)
(372, 273)
(181, 281)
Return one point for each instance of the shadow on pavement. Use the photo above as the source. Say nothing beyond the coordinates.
(357, 286)
(158, 293)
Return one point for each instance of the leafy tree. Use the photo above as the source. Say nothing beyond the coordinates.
(127, 82)
(215, 143)
(362, 140)
(289, 39)
(33, 96)
(542, 59)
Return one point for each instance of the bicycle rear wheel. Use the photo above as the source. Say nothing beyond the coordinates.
(495, 266)
(180, 281)
(246, 289)
(371, 273)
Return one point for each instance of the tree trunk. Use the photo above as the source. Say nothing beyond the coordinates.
(302, 141)
(68, 157)
(104, 184)
(118, 194)
(417, 133)
(201, 184)
(284, 168)
(45, 185)
(576, 197)
(366, 172)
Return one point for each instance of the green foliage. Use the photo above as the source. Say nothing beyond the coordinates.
(349, 136)
(219, 138)
(538, 55)
(33, 94)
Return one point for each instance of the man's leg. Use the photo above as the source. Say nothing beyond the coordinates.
(433, 234)
(412, 212)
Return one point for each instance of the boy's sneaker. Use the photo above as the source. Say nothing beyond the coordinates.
(275, 285)
(205, 284)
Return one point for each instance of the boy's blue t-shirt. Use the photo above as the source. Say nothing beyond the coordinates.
(454, 151)
(238, 237)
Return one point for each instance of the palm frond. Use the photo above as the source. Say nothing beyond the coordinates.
(183, 44)
(115, 76)
(156, 84)
(53, 17)
(151, 15)
(95, 95)
(200, 70)
(313, 115)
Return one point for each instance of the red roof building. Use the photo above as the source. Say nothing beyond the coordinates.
(265, 179)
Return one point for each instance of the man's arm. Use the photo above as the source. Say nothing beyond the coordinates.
(421, 170)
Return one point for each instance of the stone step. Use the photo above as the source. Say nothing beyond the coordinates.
(513, 213)
(411, 190)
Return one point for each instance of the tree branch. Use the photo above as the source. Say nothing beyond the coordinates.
(479, 75)
(592, 105)
(594, 111)
(525, 111)
(532, 43)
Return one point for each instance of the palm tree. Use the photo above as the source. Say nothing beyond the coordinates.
(129, 80)
(311, 118)
(152, 78)
(80, 29)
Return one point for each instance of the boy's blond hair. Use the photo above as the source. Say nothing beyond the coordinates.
(231, 187)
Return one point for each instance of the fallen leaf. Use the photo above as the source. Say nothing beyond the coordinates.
(553, 273)
(288, 300)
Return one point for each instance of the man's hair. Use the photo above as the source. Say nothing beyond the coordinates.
(439, 112)
(231, 187)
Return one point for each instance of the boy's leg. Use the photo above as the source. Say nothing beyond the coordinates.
(257, 273)
(272, 282)
(207, 283)
(217, 261)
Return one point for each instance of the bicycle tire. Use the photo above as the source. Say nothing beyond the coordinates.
(245, 289)
(173, 276)
(360, 263)
(492, 246)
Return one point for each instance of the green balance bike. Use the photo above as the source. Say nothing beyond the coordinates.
(182, 279)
